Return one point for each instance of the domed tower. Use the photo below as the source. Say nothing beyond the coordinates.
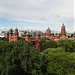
(63, 30)
(10, 32)
(48, 33)
(15, 38)
(10, 35)
(16, 32)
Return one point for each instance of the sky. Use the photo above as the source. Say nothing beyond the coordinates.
(37, 14)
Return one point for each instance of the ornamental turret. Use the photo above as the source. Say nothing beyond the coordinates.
(16, 32)
(11, 32)
(63, 30)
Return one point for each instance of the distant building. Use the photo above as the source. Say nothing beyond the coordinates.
(34, 37)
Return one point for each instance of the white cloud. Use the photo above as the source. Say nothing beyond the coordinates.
(53, 11)
(36, 8)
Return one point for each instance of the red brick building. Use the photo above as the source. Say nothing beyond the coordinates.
(13, 36)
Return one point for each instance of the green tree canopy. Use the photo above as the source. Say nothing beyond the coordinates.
(4, 39)
(57, 62)
(68, 45)
(47, 43)
(19, 58)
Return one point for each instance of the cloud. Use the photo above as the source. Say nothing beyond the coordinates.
(50, 11)
(37, 8)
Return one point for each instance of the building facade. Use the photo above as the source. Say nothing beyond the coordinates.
(14, 36)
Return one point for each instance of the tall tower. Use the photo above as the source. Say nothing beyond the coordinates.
(63, 30)
(10, 34)
(16, 34)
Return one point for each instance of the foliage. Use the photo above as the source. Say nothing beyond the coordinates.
(73, 46)
(68, 45)
(4, 39)
(47, 43)
(54, 50)
(19, 58)
(58, 63)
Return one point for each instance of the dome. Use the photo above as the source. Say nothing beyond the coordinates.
(48, 31)
(16, 31)
(10, 31)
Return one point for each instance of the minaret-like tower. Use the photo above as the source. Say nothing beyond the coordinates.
(10, 34)
(16, 34)
(63, 30)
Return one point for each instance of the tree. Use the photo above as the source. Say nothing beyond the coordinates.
(57, 62)
(19, 58)
(4, 39)
(73, 46)
(47, 43)
(67, 45)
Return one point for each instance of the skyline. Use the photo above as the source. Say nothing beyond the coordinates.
(37, 14)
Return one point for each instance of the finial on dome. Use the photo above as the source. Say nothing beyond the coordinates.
(63, 24)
